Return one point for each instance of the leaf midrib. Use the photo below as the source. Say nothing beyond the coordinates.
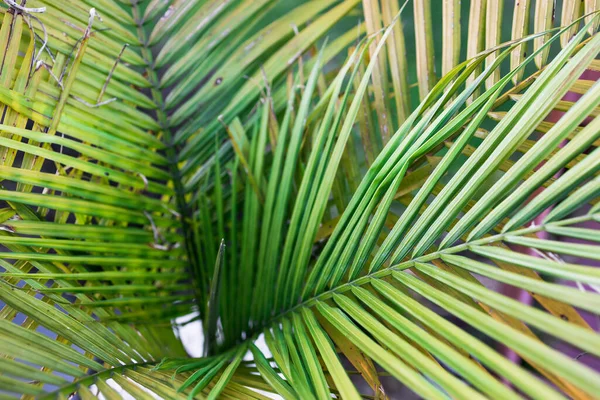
(310, 302)
(168, 138)
(72, 386)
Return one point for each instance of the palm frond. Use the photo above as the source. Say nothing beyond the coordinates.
(226, 160)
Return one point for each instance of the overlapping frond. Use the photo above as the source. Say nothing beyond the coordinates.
(97, 231)
(90, 234)
(239, 161)
(418, 226)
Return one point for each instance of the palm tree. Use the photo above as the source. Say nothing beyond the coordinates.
(271, 170)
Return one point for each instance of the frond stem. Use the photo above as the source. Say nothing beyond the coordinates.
(168, 138)
(409, 263)
(89, 380)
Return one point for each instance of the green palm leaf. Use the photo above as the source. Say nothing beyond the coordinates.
(265, 167)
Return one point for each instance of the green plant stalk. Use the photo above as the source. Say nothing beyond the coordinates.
(168, 137)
